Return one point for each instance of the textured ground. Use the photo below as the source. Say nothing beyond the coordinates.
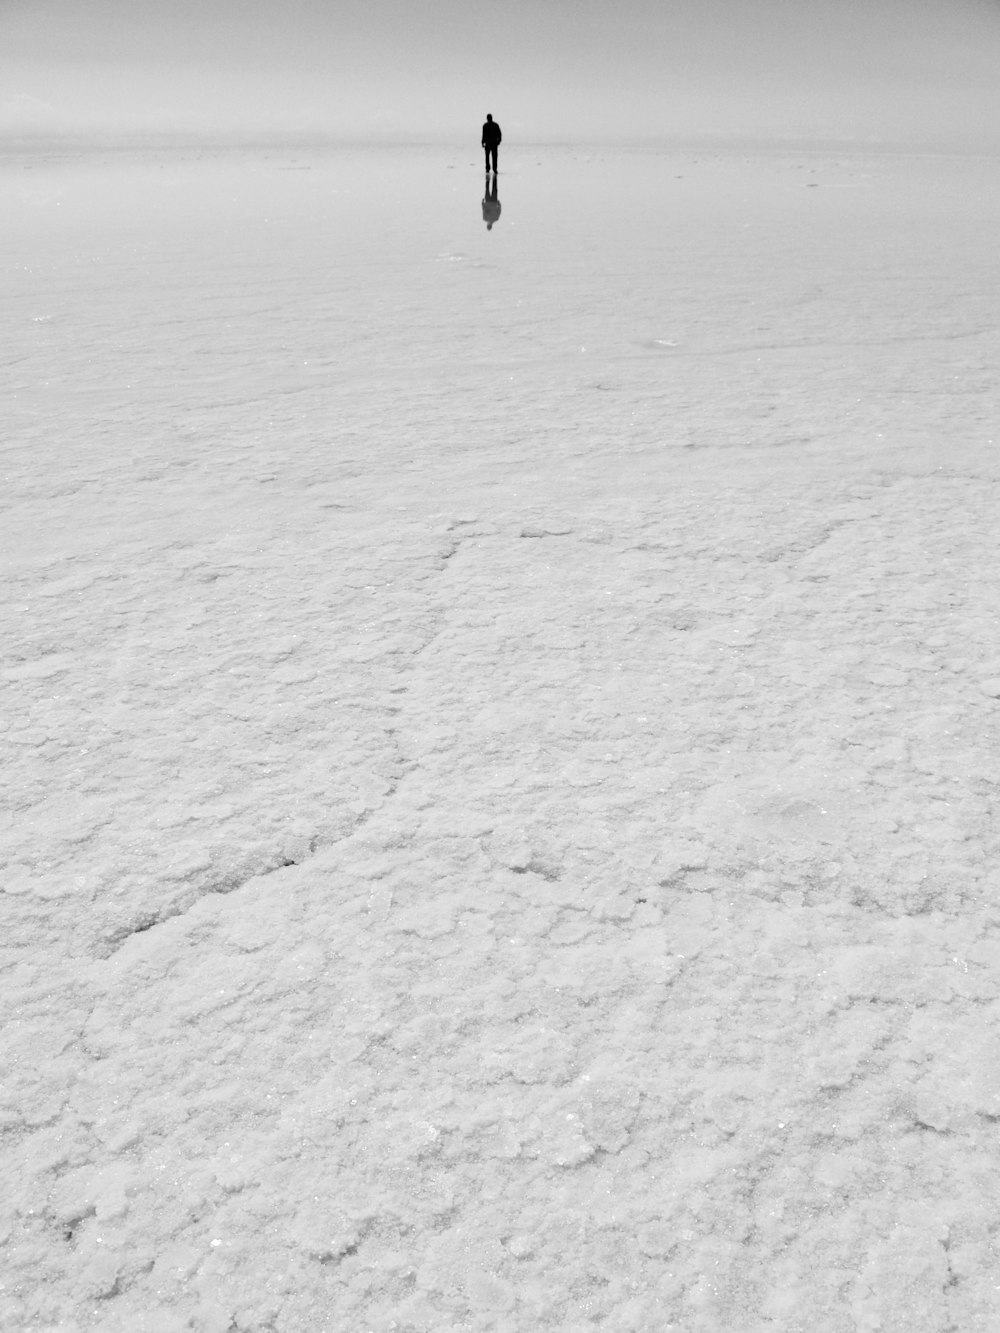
(500, 744)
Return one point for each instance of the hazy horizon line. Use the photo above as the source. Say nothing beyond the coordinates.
(26, 141)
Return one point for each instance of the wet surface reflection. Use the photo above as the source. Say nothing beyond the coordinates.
(491, 204)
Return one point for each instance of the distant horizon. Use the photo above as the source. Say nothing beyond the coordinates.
(880, 71)
(705, 140)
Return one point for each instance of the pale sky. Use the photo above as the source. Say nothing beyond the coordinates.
(547, 69)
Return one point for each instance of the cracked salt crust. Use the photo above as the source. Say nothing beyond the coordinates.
(499, 838)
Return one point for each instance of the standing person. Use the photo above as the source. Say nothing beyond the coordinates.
(491, 141)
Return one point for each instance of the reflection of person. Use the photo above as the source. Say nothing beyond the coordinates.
(491, 204)
(491, 142)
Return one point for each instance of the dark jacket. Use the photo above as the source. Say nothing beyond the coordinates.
(491, 134)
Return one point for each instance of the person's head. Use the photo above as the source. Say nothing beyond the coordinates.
(488, 116)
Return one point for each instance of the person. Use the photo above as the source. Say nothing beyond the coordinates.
(491, 204)
(491, 141)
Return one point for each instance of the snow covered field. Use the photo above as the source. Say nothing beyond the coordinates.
(500, 742)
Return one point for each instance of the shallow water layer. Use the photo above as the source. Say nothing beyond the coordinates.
(640, 303)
